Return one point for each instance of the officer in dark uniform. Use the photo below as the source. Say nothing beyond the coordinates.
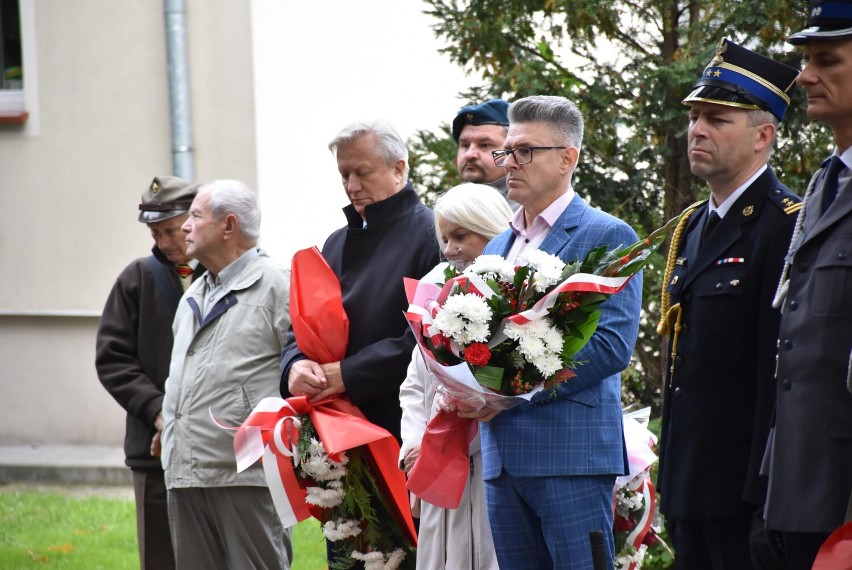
(809, 457)
(724, 263)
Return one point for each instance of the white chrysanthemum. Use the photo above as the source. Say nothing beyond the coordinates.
(491, 266)
(540, 343)
(340, 530)
(379, 560)
(320, 467)
(326, 497)
(464, 318)
(548, 268)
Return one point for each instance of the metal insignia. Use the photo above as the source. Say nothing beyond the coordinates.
(735, 282)
(674, 280)
(748, 210)
(817, 11)
(155, 187)
(720, 49)
(680, 260)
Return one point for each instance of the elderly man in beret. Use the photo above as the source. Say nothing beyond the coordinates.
(810, 454)
(134, 344)
(479, 130)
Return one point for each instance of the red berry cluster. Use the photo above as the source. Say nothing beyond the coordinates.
(519, 385)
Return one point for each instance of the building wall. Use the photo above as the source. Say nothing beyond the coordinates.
(70, 183)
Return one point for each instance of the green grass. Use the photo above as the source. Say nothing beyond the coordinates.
(54, 527)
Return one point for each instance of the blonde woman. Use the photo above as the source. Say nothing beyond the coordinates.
(466, 218)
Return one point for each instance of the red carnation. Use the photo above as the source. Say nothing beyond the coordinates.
(477, 354)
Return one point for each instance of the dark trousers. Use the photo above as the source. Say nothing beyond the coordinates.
(152, 520)
(711, 545)
(801, 548)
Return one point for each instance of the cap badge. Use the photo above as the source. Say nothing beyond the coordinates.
(469, 117)
(155, 187)
(816, 11)
(720, 49)
(748, 210)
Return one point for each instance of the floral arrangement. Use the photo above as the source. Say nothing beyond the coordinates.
(325, 459)
(518, 328)
(496, 333)
(349, 501)
(636, 524)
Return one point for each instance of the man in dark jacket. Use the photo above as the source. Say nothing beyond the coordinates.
(720, 282)
(134, 345)
(389, 235)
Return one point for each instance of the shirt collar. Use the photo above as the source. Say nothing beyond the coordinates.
(722, 209)
(230, 273)
(548, 216)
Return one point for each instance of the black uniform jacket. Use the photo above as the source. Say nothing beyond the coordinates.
(719, 398)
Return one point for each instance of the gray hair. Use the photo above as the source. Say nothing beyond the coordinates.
(390, 147)
(759, 117)
(234, 197)
(562, 115)
(475, 207)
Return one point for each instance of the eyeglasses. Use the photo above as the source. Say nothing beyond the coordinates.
(522, 154)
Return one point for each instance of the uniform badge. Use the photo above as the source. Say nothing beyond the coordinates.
(155, 187)
(735, 282)
(748, 210)
(720, 50)
(680, 261)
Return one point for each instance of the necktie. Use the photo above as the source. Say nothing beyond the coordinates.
(829, 185)
(710, 224)
(185, 272)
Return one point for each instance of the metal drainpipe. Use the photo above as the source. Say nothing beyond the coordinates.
(180, 108)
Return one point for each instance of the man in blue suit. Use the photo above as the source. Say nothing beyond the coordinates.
(550, 465)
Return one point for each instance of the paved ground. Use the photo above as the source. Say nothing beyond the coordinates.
(63, 464)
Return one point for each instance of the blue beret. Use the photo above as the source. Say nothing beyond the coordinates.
(739, 77)
(827, 20)
(492, 112)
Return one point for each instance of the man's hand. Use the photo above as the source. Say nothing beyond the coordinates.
(155, 445)
(333, 379)
(159, 423)
(306, 378)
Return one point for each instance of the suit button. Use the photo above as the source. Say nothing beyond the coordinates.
(190, 352)
(678, 392)
(786, 384)
(786, 344)
(803, 266)
(178, 415)
(794, 305)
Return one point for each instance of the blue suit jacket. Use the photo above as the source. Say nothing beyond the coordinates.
(579, 432)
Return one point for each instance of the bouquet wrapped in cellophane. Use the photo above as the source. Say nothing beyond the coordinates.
(498, 333)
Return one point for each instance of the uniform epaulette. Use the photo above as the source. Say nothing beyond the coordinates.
(786, 200)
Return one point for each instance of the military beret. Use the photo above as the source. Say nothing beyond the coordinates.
(492, 112)
(739, 77)
(827, 20)
(166, 197)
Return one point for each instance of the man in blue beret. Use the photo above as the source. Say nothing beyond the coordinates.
(722, 274)
(480, 129)
(809, 456)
